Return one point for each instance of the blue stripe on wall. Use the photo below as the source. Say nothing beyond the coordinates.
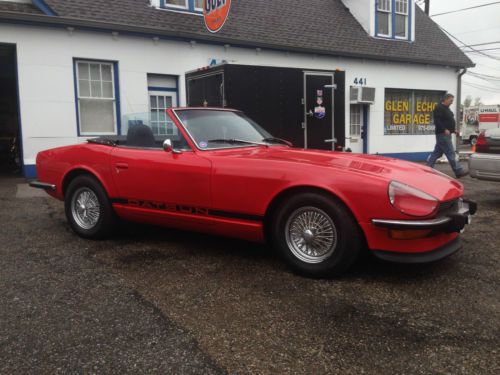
(29, 170)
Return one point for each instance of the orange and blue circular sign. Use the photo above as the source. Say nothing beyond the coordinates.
(215, 13)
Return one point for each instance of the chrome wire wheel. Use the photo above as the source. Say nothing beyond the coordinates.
(311, 235)
(85, 208)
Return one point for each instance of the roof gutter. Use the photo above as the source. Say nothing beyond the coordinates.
(51, 21)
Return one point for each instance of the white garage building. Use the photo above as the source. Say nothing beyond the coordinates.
(70, 70)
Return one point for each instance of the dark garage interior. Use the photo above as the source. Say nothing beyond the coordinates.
(9, 114)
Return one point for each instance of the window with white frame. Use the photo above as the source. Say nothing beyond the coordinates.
(384, 17)
(160, 122)
(393, 18)
(356, 118)
(189, 5)
(96, 98)
(177, 3)
(162, 91)
(401, 19)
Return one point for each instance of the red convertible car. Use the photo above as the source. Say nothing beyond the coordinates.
(216, 171)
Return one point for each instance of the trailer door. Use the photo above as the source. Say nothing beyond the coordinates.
(206, 90)
(318, 106)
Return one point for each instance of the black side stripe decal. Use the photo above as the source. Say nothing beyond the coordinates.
(119, 201)
(235, 215)
(160, 206)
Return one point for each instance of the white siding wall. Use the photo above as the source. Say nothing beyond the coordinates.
(46, 83)
(364, 12)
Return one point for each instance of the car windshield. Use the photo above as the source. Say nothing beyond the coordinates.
(212, 129)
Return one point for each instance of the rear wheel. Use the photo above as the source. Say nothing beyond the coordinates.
(316, 235)
(88, 209)
(473, 140)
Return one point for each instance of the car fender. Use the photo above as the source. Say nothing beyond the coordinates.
(107, 183)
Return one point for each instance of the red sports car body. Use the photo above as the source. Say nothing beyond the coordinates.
(216, 171)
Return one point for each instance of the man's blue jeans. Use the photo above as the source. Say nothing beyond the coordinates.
(444, 146)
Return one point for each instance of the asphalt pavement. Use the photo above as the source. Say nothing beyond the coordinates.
(153, 300)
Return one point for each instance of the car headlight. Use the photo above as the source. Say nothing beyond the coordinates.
(411, 201)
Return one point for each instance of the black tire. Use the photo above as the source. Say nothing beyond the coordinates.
(96, 218)
(327, 255)
(473, 141)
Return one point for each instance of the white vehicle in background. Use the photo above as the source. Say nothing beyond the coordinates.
(469, 134)
(477, 119)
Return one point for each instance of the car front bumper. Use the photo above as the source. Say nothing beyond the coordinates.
(420, 241)
(485, 166)
(449, 222)
(426, 257)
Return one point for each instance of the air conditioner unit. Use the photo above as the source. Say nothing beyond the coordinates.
(360, 94)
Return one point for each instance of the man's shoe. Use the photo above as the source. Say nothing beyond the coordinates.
(462, 173)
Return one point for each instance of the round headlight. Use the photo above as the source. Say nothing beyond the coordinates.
(410, 200)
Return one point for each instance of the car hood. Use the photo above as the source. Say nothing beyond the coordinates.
(373, 166)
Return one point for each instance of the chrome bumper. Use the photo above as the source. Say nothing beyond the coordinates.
(42, 185)
(450, 222)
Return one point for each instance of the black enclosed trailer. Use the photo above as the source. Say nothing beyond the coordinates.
(306, 107)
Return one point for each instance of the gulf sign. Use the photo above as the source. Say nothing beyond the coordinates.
(215, 13)
(488, 113)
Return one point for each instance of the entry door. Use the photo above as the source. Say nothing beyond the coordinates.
(159, 101)
(356, 128)
(318, 105)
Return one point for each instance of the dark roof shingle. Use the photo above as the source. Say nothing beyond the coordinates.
(317, 26)
(19, 8)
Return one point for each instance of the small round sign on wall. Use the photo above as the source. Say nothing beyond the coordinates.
(215, 13)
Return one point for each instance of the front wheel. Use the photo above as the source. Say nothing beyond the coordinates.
(316, 235)
(88, 209)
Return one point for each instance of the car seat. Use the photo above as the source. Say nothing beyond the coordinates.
(140, 136)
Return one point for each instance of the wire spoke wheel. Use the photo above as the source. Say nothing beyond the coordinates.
(311, 235)
(85, 208)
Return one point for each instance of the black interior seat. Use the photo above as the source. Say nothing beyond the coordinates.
(140, 136)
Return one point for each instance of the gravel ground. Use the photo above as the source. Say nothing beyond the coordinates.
(159, 301)
(62, 312)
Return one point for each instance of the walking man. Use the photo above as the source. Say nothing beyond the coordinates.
(445, 127)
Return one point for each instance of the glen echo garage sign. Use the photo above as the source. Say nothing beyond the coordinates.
(215, 13)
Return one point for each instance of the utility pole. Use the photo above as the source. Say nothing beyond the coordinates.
(427, 6)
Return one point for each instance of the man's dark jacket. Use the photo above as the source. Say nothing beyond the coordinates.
(443, 119)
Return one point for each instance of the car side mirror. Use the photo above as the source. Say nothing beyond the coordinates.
(168, 147)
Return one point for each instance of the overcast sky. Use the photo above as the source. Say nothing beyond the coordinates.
(474, 26)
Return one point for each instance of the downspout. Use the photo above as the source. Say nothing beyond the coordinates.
(459, 101)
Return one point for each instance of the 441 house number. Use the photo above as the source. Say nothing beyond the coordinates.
(360, 81)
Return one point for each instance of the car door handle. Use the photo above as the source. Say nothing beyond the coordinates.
(121, 166)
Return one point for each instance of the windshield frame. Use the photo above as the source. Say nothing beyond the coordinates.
(228, 146)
